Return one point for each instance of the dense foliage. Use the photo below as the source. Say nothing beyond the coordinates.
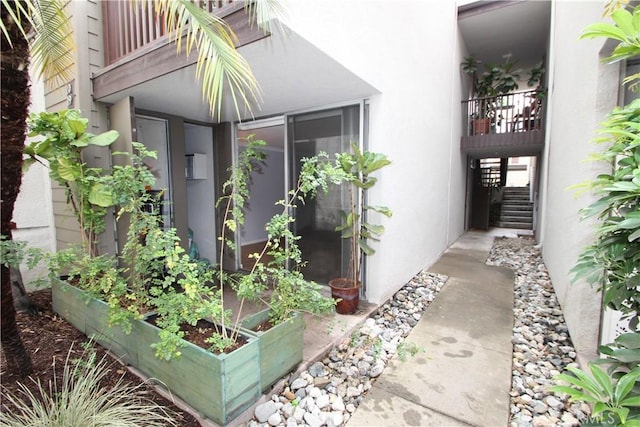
(612, 262)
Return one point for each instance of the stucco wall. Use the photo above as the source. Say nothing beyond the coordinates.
(32, 211)
(582, 90)
(33, 217)
(408, 52)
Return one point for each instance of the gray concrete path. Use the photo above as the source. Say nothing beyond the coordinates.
(463, 377)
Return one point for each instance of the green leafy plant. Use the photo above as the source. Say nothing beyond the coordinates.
(355, 338)
(359, 165)
(625, 30)
(621, 356)
(236, 194)
(290, 292)
(15, 252)
(275, 277)
(406, 349)
(81, 399)
(153, 273)
(65, 137)
(610, 398)
(490, 80)
(159, 275)
(610, 263)
(613, 388)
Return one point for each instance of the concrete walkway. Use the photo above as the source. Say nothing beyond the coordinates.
(463, 377)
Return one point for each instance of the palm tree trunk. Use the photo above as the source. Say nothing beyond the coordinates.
(14, 83)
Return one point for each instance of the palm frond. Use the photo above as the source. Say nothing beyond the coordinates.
(264, 13)
(219, 64)
(19, 12)
(52, 43)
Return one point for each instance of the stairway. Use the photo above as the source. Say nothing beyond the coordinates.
(516, 210)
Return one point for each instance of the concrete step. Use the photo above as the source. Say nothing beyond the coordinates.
(516, 210)
(511, 224)
(517, 207)
(516, 197)
(516, 189)
(511, 218)
(518, 214)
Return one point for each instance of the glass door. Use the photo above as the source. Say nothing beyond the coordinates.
(330, 131)
(153, 133)
(267, 186)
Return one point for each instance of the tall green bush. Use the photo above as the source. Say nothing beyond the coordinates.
(612, 262)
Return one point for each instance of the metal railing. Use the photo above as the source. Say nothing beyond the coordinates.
(514, 112)
(130, 25)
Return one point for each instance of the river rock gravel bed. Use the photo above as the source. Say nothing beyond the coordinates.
(542, 347)
(330, 390)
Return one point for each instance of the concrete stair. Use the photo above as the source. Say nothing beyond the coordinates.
(516, 210)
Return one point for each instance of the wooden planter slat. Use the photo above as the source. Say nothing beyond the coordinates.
(113, 338)
(280, 346)
(221, 387)
(70, 303)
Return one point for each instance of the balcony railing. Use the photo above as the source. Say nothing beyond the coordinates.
(510, 113)
(130, 25)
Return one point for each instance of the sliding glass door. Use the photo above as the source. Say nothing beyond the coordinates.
(266, 187)
(330, 131)
(290, 139)
(153, 133)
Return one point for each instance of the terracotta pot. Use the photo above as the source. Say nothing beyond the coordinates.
(348, 296)
(481, 126)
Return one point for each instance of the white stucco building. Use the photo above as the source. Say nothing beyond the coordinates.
(387, 75)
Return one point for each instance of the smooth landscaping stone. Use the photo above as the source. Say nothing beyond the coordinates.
(264, 411)
(539, 346)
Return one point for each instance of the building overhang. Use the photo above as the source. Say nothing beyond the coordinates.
(293, 74)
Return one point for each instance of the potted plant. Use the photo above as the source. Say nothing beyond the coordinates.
(358, 165)
(495, 80)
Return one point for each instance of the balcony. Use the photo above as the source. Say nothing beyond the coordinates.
(505, 125)
(132, 25)
(137, 49)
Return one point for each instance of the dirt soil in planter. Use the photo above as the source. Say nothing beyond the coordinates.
(48, 338)
(199, 334)
(263, 327)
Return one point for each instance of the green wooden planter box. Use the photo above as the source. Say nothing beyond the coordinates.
(221, 387)
(90, 316)
(280, 346)
(113, 338)
(70, 303)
